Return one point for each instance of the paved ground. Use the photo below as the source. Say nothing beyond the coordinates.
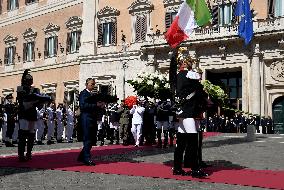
(266, 153)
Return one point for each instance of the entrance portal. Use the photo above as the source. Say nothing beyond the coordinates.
(278, 115)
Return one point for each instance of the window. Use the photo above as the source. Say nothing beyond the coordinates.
(28, 52)
(12, 5)
(10, 53)
(107, 33)
(169, 18)
(225, 14)
(140, 28)
(30, 1)
(73, 41)
(51, 46)
(279, 8)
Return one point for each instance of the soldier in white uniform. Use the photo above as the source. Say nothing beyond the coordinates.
(70, 124)
(40, 125)
(4, 127)
(137, 120)
(59, 119)
(16, 131)
(50, 122)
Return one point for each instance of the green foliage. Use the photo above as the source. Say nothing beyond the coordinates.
(216, 93)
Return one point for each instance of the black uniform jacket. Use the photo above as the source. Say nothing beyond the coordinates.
(196, 105)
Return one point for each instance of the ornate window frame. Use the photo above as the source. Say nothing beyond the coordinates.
(10, 41)
(74, 23)
(7, 91)
(51, 30)
(49, 88)
(138, 8)
(29, 35)
(172, 5)
(107, 15)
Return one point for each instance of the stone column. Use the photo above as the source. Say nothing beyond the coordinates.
(89, 28)
(255, 86)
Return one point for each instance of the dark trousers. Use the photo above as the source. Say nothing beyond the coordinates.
(10, 129)
(89, 129)
(189, 142)
(25, 138)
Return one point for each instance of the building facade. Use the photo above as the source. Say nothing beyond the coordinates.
(113, 40)
(44, 36)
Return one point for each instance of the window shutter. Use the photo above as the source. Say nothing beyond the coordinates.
(168, 20)
(114, 33)
(8, 5)
(46, 53)
(138, 29)
(215, 13)
(1, 6)
(33, 51)
(68, 43)
(78, 45)
(271, 8)
(143, 27)
(6, 56)
(24, 52)
(100, 34)
(55, 45)
(14, 54)
(17, 4)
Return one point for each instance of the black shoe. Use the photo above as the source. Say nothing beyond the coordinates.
(110, 143)
(198, 173)
(117, 143)
(89, 163)
(49, 142)
(180, 172)
(71, 141)
(14, 142)
(165, 146)
(9, 144)
(102, 144)
(39, 143)
(59, 141)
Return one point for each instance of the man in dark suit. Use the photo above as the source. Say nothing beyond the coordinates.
(88, 122)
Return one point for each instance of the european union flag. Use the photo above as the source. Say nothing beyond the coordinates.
(246, 24)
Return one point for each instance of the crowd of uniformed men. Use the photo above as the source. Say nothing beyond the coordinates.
(119, 124)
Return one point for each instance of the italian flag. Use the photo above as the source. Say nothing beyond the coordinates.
(192, 13)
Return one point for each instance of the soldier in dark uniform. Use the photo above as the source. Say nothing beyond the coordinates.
(124, 122)
(27, 114)
(269, 125)
(263, 125)
(148, 129)
(10, 109)
(193, 102)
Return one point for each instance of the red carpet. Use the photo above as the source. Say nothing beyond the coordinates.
(66, 161)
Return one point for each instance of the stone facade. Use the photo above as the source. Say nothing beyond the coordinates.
(122, 38)
(35, 22)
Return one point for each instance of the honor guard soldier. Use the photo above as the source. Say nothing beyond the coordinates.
(124, 123)
(50, 122)
(163, 113)
(40, 125)
(70, 124)
(10, 110)
(59, 120)
(192, 103)
(27, 116)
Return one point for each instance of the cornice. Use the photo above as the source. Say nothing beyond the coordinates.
(108, 11)
(140, 5)
(40, 68)
(48, 8)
